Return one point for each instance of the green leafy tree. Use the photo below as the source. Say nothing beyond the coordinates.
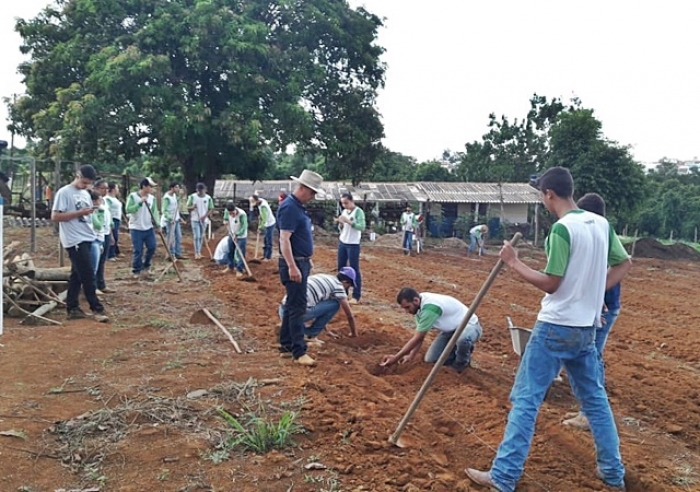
(203, 86)
(393, 166)
(433, 171)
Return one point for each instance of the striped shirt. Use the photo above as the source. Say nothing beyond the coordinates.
(322, 287)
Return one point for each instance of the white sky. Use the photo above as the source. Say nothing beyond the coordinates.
(452, 62)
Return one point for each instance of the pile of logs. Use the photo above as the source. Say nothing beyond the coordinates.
(29, 291)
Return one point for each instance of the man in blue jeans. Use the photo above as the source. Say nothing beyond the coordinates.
(593, 202)
(143, 217)
(579, 248)
(296, 250)
(325, 295)
(445, 314)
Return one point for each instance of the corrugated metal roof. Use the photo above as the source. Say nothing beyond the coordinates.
(480, 192)
(390, 192)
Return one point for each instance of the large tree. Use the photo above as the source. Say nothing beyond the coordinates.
(208, 86)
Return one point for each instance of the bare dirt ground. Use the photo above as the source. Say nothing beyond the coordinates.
(106, 407)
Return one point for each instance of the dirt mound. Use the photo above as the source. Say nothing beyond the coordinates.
(651, 248)
(454, 242)
(390, 240)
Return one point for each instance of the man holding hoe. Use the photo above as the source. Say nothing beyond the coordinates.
(445, 314)
(580, 247)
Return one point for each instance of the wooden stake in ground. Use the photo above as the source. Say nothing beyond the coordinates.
(634, 243)
(257, 248)
(394, 439)
(197, 319)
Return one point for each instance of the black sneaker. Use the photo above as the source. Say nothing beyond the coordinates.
(78, 313)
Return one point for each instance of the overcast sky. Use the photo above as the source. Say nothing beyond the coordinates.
(451, 63)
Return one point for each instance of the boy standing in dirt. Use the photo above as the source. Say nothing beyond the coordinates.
(594, 203)
(172, 219)
(141, 223)
(444, 313)
(200, 206)
(71, 209)
(579, 248)
(476, 238)
(408, 225)
(237, 222)
(266, 224)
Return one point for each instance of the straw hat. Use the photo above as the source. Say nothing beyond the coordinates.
(310, 179)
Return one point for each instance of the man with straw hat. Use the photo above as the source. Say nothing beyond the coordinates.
(296, 250)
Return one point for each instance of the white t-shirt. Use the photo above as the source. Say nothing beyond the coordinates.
(201, 205)
(222, 250)
(78, 230)
(407, 218)
(348, 234)
(453, 311)
(270, 221)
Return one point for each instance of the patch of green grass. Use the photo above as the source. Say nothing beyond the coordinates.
(162, 324)
(261, 435)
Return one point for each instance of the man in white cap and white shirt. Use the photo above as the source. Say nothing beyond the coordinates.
(296, 250)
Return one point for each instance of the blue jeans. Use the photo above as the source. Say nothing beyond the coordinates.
(321, 314)
(462, 351)
(350, 253)
(139, 239)
(173, 237)
(198, 229)
(234, 259)
(292, 330)
(474, 243)
(407, 240)
(95, 253)
(114, 248)
(267, 245)
(549, 347)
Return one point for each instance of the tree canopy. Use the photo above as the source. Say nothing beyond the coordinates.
(206, 86)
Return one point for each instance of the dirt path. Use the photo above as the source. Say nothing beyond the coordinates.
(107, 406)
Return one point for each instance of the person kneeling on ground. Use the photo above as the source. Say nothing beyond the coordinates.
(325, 295)
(445, 314)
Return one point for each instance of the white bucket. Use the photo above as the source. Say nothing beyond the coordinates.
(519, 337)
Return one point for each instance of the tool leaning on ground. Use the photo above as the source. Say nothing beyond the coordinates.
(394, 438)
(250, 277)
(257, 260)
(206, 243)
(165, 244)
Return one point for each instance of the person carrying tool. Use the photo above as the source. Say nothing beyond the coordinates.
(200, 205)
(237, 222)
(141, 223)
(408, 223)
(579, 248)
(444, 313)
(351, 222)
(171, 220)
(266, 223)
(325, 295)
(296, 250)
(476, 238)
(71, 209)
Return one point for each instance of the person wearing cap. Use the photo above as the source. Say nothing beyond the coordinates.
(351, 222)
(296, 250)
(171, 219)
(325, 295)
(445, 314)
(408, 222)
(141, 227)
(72, 207)
(266, 224)
(476, 238)
(200, 205)
(237, 222)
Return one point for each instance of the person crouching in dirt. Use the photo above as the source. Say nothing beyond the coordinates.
(445, 314)
(325, 295)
